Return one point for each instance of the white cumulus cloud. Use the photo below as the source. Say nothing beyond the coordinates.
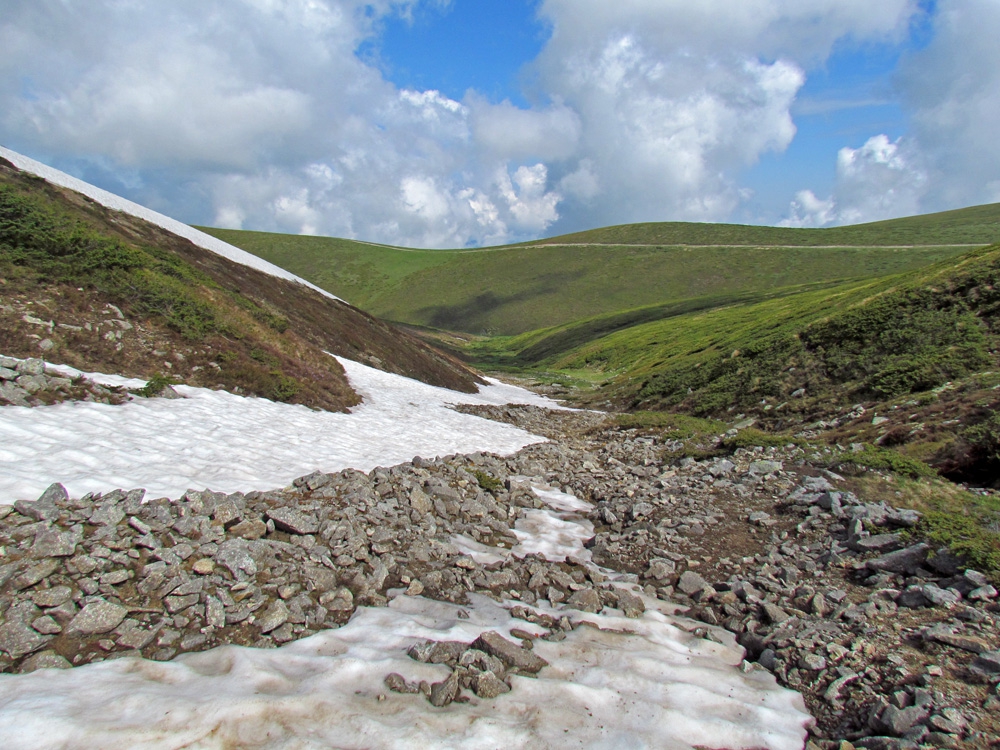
(259, 114)
(881, 179)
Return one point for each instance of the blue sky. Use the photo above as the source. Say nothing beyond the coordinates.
(442, 123)
(484, 45)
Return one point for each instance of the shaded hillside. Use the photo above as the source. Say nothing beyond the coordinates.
(102, 290)
(515, 289)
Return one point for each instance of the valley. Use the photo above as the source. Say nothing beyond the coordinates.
(772, 519)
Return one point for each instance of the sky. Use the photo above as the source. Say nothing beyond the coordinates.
(454, 123)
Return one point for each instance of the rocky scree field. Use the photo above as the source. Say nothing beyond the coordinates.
(892, 641)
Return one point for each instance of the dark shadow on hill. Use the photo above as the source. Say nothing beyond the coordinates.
(579, 334)
(474, 316)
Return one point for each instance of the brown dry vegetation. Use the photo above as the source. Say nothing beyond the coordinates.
(261, 335)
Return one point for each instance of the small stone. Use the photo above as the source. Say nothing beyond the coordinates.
(912, 597)
(942, 724)
(437, 652)
(115, 577)
(45, 508)
(903, 561)
(940, 597)
(942, 634)
(226, 514)
(987, 662)
(898, 721)
(274, 617)
(215, 613)
(774, 613)
(982, 594)
(46, 625)
(179, 603)
(52, 543)
(203, 567)
(398, 684)
(34, 574)
(17, 639)
(488, 686)
(691, 583)
(812, 662)
(415, 588)
(554, 595)
(420, 502)
(832, 693)
(443, 693)
(660, 569)
(630, 604)
(193, 641)
(761, 468)
(108, 514)
(233, 554)
(249, 528)
(585, 600)
(52, 597)
(292, 521)
(340, 600)
(44, 660)
(98, 617)
(135, 636)
(31, 366)
(509, 653)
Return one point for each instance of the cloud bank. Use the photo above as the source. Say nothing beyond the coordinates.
(258, 114)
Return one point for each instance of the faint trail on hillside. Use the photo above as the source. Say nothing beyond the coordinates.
(667, 246)
(757, 246)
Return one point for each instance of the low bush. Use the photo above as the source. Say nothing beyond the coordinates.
(886, 459)
(753, 438)
(486, 482)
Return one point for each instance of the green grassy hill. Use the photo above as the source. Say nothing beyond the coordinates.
(519, 288)
(974, 225)
(871, 338)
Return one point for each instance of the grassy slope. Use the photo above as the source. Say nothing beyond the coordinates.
(974, 225)
(656, 362)
(515, 289)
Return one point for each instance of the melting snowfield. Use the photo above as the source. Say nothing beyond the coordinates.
(229, 443)
(623, 683)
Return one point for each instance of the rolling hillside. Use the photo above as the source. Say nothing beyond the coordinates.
(72, 267)
(514, 289)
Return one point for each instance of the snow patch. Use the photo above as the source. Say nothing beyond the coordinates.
(633, 683)
(116, 202)
(229, 443)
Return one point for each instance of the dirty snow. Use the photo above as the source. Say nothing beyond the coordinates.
(624, 683)
(116, 202)
(229, 443)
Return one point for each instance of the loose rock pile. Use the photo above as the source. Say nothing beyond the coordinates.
(117, 574)
(27, 382)
(483, 666)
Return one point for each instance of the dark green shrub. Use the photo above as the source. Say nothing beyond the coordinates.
(486, 482)
(886, 459)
